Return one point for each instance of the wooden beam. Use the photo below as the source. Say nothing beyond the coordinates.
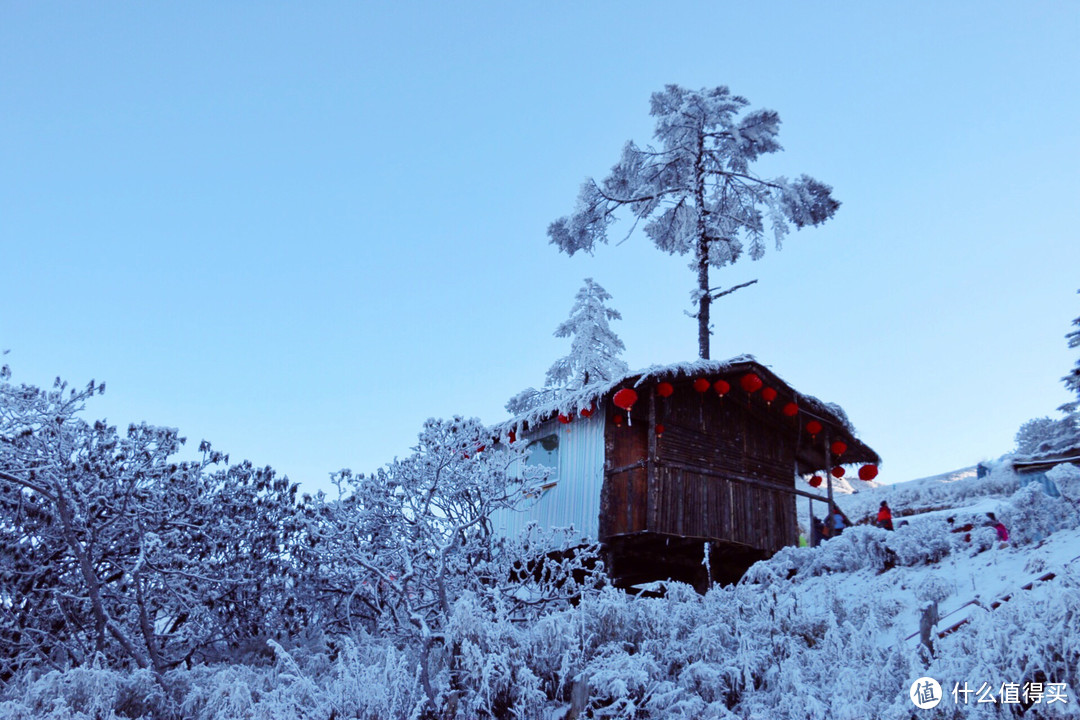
(735, 478)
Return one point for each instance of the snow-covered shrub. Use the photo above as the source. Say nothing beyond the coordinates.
(374, 680)
(226, 691)
(862, 547)
(1066, 477)
(1031, 515)
(921, 542)
(933, 589)
(90, 693)
(489, 666)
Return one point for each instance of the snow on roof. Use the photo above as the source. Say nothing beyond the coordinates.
(572, 402)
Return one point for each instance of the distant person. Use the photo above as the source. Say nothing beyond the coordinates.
(1002, 532)
(817, 531)
(836, 522)
(884, 516)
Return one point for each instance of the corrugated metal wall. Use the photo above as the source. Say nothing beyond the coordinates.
(575, 499)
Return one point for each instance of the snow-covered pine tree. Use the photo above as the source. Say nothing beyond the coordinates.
(594, 351)
(696, 191)
(1044, 435)
(1072, 380)
(595, 348)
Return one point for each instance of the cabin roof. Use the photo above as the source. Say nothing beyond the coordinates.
(829, 414)
(1041, 462)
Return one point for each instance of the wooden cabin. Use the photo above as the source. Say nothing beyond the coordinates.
(702, 463)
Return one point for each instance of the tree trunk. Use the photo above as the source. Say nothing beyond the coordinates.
(702, 250)
(102, 622)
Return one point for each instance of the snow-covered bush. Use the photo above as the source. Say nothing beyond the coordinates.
(1031, 515)
(862, 547)
(921, 542)
(933, 589)
(90, 693)
(491, 673)
(1066, 477)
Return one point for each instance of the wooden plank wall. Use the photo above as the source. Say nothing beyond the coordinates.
(709, 444)
(623, 500)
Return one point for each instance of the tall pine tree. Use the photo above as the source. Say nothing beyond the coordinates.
(696, 192)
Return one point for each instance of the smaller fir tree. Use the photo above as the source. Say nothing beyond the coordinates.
(595, 348)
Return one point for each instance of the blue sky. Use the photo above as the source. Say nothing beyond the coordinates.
(300, 230)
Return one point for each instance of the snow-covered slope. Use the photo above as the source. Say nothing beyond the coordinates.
(825, 633)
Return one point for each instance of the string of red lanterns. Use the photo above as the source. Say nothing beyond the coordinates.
(750, 383)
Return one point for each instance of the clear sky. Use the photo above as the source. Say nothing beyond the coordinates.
(299, 229)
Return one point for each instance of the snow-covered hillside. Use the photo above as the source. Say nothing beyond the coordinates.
(828, 633)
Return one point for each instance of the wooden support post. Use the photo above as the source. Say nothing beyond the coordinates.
(828, 468)
(652, 481)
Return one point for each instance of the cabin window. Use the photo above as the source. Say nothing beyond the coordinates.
(544, 451)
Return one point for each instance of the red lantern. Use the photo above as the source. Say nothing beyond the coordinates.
(665, 389)
(659, 429)
(751, 383)
(586, 412)
(721, 387)
(791, 409)
(564, 419)
(813, 427)
(701, 385)
(512, 437)
(868, 472)
(838, 448)
(816, 481)
(618, 420)
(838, 471)
(768, 395)
(625, 398)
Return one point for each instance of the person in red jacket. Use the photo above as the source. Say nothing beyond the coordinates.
(1002, 533)
(884, 516)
